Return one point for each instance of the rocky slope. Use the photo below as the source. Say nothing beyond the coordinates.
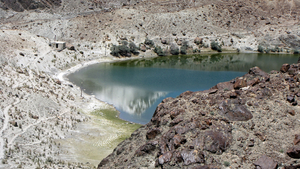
(236, 24)
(248, 122)
(29, 69)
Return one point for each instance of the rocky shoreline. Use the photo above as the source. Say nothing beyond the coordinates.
(249, 122)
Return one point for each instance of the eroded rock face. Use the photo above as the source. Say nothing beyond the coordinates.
(21, 5)
(233, 123)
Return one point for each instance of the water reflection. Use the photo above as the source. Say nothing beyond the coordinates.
(129, 99)
(136, 87)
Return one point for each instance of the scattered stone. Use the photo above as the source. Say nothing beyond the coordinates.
(58, 82)
(166, 157)
(224, 86)
(192, 157)
(198, 40)
(297, 139)
(284, 68)
(290, 98)
(240, 83)
(265, 162)
(292, 112)
(234, 111)
(260, 136)
(294, 152)
(152, 133)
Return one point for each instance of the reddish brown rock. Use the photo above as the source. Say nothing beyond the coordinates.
(284, 68)
(253, 82)
(234, 111)
(265, 162)
(292, 112)
(216, 141)
(152, 133)
(297, 139)
(294, 152)
(257, 72)
(240, 83)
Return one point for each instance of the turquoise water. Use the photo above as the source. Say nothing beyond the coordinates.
(136, 87)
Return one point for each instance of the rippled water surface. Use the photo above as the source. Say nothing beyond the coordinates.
(136, 87)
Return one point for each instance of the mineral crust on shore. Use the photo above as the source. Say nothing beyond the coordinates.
(248, 122)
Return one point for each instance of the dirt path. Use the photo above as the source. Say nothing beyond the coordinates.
(5, 125)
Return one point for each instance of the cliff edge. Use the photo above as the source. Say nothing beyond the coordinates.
(248, 122)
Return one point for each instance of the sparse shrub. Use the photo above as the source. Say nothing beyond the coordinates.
(158, 50)
(174, 50)
(267, 50)
(196, 50)
(122, 50)
(149, 42)
(133, 48)
(277, 49)
(226, 164)
(114, 50)
(215, 46)
(184, 47)
(260, 49)
(296, 52)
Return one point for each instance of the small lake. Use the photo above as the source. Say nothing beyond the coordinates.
(136, 87)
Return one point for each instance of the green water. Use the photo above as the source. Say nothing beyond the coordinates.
(136, 87)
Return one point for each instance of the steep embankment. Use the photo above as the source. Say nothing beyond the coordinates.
(246, 122)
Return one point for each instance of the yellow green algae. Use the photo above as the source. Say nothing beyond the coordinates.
(94, 140)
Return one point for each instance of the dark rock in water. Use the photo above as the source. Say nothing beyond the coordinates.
(284, 68)
(265, 162)
(234, 112)
(294, 152)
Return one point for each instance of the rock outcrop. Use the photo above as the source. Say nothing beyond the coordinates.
(21, 5)
(248, 122)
